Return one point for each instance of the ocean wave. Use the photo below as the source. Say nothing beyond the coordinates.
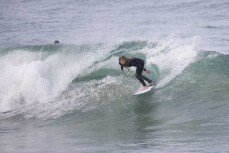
(49, 81)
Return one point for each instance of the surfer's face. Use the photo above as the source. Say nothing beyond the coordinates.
(123, 62)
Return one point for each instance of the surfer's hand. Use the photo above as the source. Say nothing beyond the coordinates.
(147, 71)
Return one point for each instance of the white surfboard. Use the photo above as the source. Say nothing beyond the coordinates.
(144, 91)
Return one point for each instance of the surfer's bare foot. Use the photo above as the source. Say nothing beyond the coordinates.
(144, 88)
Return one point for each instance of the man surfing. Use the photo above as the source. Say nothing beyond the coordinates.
(139, 63)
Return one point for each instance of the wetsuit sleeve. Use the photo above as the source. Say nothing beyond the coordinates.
(137, 65)
(121, 66)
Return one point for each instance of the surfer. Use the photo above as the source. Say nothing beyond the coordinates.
(139, 63)
(56, 42)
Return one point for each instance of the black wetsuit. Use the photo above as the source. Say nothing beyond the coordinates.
(139, 63)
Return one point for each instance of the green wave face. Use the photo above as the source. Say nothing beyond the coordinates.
(49, 81)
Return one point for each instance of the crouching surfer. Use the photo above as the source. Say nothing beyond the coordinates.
(139, 64)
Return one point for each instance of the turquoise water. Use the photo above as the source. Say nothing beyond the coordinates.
(73, 97)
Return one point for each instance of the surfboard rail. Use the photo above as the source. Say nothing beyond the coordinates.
(144, 91)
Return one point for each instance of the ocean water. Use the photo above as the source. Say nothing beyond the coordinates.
(72, 97)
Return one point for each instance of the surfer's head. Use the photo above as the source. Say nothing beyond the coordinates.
(123, 60)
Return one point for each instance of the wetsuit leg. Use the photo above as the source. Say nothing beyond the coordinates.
(141, 77)
(147, 79)
(138, 75)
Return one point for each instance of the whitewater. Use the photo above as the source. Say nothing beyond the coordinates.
(73, 96)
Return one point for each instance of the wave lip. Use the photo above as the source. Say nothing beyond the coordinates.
(31, 76)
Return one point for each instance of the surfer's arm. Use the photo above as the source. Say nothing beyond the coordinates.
(138, 66)
(121, 67)
(128, 69)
